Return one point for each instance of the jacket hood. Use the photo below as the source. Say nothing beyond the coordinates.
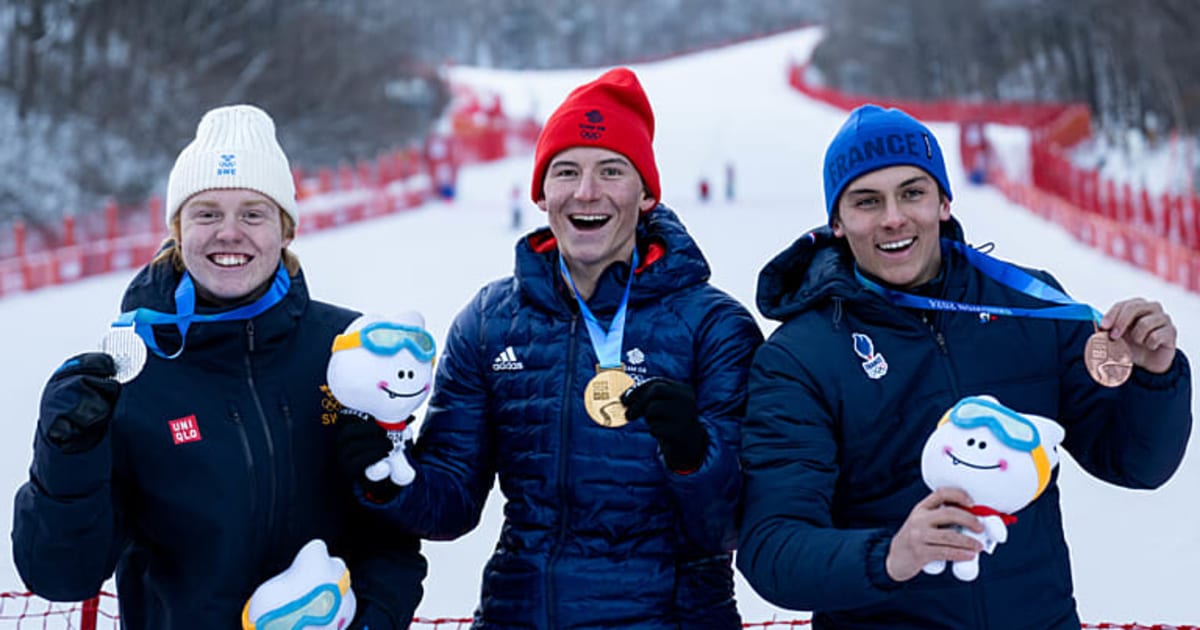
(153, 287)
(668, 260)
(816, 267)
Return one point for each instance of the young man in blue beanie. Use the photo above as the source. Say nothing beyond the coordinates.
(888, 319)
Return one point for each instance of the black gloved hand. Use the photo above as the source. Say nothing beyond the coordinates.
(78, 401)
(669, 408)
(361, 442)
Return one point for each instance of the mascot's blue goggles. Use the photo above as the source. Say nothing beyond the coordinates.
(1010, 427)
(387, 339)
(318, 607)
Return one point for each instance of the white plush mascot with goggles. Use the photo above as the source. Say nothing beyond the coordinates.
(384, 367)
(289, 601)
(1000, 457)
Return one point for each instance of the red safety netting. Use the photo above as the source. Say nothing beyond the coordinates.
(26, 611)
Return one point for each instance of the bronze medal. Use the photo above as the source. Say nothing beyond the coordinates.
(1108, 361)
(602, 396)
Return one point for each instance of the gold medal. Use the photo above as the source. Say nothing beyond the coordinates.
(602, 396)
(1108, 361)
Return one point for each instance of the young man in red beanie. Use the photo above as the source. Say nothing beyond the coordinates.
(603, 384)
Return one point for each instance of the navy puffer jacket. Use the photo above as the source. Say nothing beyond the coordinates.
(832, 455)
(597, 531)
(193, 526)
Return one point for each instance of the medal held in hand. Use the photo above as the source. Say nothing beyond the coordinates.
(127, 350)
(1108, 361)
(602, 396)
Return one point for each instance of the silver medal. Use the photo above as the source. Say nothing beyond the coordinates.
(127, 350)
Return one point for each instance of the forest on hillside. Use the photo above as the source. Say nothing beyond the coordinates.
(98, 96)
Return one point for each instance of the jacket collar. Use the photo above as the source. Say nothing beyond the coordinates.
(154, 287)
(670, 260)
(816, 267)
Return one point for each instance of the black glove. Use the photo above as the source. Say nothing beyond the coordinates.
(361, 442)
(78, 402)
(669, 408)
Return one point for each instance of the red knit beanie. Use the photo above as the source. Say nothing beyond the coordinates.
(612, 113)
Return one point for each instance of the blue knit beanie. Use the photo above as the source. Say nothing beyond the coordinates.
(874, 138)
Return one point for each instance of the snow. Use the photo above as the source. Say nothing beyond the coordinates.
(1135, 553)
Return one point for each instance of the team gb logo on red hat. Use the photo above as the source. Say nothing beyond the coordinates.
(592, 129)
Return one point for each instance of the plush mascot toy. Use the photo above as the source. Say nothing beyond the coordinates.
(313, 593)
(382, 369)
(1000, 457)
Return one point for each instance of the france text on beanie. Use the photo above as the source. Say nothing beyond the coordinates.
(235, 147)
(612, 113)
(873, 138)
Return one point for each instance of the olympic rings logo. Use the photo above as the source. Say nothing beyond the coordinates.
(589, 135)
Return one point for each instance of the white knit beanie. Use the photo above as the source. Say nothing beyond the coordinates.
(235, 147)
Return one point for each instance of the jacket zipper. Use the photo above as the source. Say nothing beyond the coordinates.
(236, 417)
(564, 436)
(266, 427)
(940, 339)
(289, 479)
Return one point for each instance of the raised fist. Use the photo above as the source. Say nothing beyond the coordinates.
(78, 401)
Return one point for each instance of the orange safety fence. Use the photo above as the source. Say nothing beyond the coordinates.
(1158, 233)
(1021, 114)
(1169, 260)
(115, 238)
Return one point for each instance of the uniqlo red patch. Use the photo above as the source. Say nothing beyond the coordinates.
(185, 429)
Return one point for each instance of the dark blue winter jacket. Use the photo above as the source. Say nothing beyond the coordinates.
(193, 527)
(597, 531)
(832, 456)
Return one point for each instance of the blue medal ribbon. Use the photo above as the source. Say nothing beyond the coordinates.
(185, 311)
(607, 344)
(1007, 274)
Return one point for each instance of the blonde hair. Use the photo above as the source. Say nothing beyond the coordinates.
(169, 251)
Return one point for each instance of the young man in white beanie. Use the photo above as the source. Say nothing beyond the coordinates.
(202, 475)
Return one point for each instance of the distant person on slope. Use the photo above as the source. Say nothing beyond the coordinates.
(205, 474)
(603, 384)
(888, 319)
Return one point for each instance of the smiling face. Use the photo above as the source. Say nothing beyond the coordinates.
(978, 462)
(231, 241)
(387, 382)
(389, 388)
(891, 220)
(593, 198)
